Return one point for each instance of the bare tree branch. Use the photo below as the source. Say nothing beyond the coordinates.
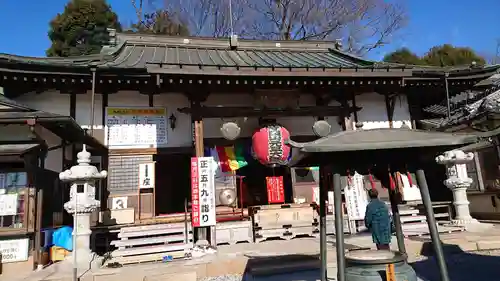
(363, 25)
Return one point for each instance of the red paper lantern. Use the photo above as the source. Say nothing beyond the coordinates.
(269, 147)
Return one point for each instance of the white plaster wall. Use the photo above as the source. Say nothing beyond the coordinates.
(182, 135)
(401, 112)
(373, 114)
(53, 161)
(51, 101)
(84, 107)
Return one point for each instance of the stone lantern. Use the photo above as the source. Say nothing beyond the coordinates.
(458, 181)
(82, 203)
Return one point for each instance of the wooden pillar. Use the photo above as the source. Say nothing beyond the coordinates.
(197, 122)
(389, 106)
(72, 113)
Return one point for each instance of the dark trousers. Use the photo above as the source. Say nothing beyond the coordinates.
(383, 247)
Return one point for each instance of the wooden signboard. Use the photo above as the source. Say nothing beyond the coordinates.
(135, 127)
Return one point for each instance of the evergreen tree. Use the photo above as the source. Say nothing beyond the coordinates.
(82, 28)
(404, 56)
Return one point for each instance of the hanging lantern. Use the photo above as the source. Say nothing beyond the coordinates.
(269, 147)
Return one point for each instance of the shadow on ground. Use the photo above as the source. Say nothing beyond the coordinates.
(462, 266)
(282, 268)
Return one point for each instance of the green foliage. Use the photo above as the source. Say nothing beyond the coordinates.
(161, 22)
(404, 56)
(82, 28)
(447, 55)
(444, 55)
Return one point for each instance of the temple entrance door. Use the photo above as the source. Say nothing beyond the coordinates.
(173, 183)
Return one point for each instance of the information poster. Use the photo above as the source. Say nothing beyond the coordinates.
(8, 204)
(14, 250)
(135, 127)
(203, 191)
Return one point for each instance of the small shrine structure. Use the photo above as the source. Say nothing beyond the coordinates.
(383, 152)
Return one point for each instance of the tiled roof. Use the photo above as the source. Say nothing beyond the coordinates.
(457, 102)
(7, 104)
(488, 103)
(137, 56)
(141, 53)
(387, 138)
(494, 80)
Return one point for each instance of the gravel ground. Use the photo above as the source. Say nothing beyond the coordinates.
(477, 266)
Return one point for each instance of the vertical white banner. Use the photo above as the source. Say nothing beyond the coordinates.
(206, 191)
(147, 175)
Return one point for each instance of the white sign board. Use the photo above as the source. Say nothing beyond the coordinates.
(8, 204)
(14, 250)
(147, 175)
(135, 127)
(203, 191)
(410, 192)
(356, 197)
(119, 203)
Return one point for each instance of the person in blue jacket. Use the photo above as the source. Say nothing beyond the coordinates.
(378, 221)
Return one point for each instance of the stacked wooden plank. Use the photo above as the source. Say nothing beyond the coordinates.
(414, 221)
(284, 221)
(147, 243)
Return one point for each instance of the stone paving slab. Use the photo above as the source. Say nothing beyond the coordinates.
(234, 259)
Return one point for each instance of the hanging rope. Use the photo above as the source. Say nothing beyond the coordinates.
(370, 178)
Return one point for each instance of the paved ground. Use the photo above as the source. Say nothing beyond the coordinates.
(232, 262)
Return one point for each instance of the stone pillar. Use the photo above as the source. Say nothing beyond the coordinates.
(82, 204)
(458, 181)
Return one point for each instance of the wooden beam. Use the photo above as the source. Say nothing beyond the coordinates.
(226, 112)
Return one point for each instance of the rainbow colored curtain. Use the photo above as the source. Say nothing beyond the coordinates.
(230, 158)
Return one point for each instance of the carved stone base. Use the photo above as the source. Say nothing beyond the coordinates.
(464, 222)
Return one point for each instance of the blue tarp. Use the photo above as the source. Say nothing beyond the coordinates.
(62, 237)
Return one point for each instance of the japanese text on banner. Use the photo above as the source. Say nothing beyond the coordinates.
(203, 191)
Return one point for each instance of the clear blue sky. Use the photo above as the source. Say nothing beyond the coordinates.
(24, 25)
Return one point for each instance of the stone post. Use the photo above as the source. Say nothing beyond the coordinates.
(82, 204)
(458, 181)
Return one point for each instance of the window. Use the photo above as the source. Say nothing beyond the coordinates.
(13, 186)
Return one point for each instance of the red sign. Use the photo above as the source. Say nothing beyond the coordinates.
(275, 190)
(195, 193)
